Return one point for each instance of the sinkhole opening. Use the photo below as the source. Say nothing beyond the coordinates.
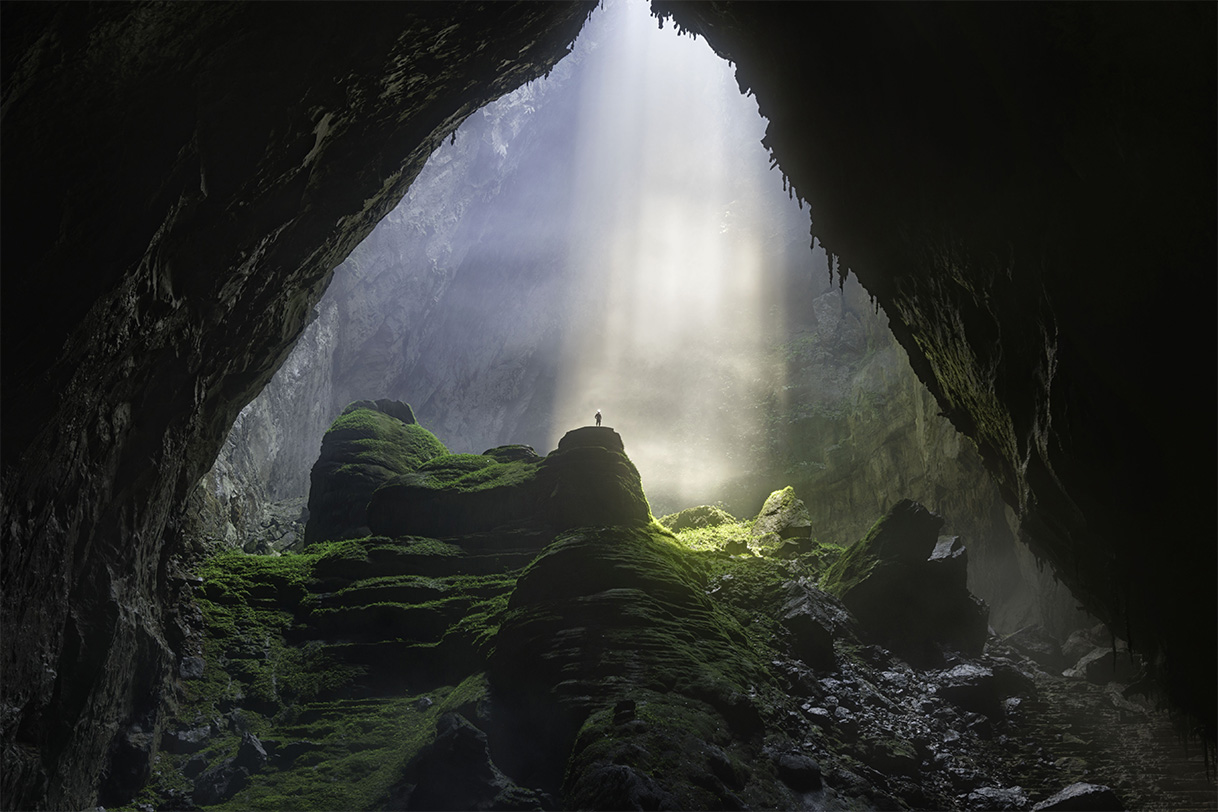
(614, 238)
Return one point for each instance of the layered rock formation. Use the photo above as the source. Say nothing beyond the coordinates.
(584, 658)
(370, 444)
(1022, 187)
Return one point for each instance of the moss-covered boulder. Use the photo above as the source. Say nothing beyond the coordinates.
(587, 481)
(369, 444)
(785, 515)
(908, 590)
(697, 518)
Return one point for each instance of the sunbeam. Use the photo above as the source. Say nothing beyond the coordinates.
(675, 301)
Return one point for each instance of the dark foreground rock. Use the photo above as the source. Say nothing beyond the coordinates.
(908, 589)
(1082, 797)
(455, 772)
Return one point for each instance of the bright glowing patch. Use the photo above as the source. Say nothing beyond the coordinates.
(671, 314)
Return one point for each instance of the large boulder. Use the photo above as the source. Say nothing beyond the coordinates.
(369, 444)
(909, 589)
(455, 771)
(785, 514)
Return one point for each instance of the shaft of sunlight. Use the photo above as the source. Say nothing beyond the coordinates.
(673, 307)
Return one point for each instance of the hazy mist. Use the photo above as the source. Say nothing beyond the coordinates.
(677, 255)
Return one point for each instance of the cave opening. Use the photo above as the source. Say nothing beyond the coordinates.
(614, 236)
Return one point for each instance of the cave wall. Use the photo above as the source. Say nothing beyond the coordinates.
(179, 181)
(1029, 192)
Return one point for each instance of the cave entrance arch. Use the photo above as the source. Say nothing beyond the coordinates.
(612, 237)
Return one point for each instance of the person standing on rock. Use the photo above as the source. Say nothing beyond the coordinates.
(598, 417)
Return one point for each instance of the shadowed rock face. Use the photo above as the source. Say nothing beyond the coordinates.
(369, 444)
(1028, 192)
(179, 182)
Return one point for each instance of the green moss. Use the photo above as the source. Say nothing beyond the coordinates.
(858, 562)
(448, 467)
(714, 537)
(361, 747)
(367, 437)
(702, 516)
(274, 628)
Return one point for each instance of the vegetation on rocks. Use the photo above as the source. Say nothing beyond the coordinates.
(369, 444)
(614, 662)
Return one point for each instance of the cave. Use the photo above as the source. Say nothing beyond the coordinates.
(1026, 190)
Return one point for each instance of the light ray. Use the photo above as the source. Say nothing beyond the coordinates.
(672, 311)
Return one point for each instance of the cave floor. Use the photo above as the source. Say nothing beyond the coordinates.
(1093, 733)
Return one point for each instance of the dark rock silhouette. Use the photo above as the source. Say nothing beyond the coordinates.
(906, 590)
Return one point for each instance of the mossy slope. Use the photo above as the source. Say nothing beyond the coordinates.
(612, 642)
(340, 661)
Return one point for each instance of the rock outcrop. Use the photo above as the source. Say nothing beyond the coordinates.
(587, 480)
(908, 588)
(371, 443)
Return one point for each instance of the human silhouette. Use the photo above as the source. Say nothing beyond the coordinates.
(598, 417)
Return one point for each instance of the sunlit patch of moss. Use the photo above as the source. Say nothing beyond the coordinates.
(698, 517)
(716, 537)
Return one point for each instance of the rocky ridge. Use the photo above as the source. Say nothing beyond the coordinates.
(551, 661)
